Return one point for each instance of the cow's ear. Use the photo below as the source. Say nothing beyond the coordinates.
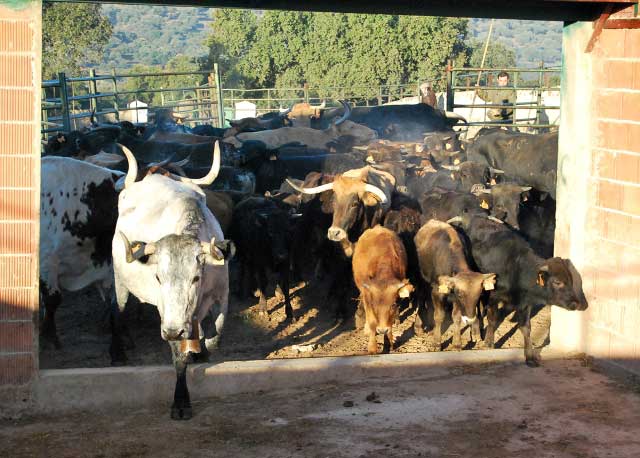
(489, 282)
(543, 275)
(405, 289)
(445, 284)
(369, 199)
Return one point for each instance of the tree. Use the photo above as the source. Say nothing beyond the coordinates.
(180, 63)
(74, 36)
(356, 51)
(498, 55)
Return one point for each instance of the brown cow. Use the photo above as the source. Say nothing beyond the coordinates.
(444, 267)
(312, 138)
(355, 191)
(380, 273)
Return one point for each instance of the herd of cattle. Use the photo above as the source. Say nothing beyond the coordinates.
(388, 199)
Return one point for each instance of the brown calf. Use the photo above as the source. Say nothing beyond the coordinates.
(444, 267)
(380, 273)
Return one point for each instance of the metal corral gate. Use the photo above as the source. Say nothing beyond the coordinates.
(68, 102)
(538, 95)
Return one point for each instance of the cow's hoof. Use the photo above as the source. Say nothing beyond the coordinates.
(532, 363)
(457, 347)
(419, 330)
(118, 357)
(181, 413)
(488, 344)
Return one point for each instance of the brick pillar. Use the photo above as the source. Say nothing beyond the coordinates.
(599, 192)
(20, 62)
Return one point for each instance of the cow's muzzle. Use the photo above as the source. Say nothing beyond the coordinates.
(174, 333)
(336, 234)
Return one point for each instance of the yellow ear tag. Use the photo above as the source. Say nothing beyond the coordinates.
(540, 280)
(493, 182)
(273, 157)
(484, 204)
(456, 161)
(443, 289)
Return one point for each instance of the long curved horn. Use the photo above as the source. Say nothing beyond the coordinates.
(142, 249)
(316, 190)
(345, 116)
(495, 220)
(451, 167)
(496, 171)
(209, 177)
(455, 219)
(376, 191)
(132, 172)
(456, 116)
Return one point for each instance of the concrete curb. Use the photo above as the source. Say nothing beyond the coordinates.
(60, 390)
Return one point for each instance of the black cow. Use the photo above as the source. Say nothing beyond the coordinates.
(529, 160)
(525, 279)
(442, 204)
(395, 122)
(262, 230)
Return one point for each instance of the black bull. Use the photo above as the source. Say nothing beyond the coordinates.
(394, 122)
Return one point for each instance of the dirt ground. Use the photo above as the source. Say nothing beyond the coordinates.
(83, 329)
(564, 409)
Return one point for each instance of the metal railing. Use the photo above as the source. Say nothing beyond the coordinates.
(66, 101)
(537, 80)
(272, 99)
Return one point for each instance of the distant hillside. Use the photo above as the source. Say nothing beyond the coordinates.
(152, 35)
(533, 41)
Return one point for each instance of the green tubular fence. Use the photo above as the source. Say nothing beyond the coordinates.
(537, 80)
(67, 100)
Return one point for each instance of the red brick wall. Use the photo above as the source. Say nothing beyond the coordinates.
(613, 216)
(20, 56)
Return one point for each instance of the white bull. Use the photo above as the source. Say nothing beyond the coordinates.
(78, 215)
(169, 251)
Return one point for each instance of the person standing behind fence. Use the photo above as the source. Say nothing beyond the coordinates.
(506, 96)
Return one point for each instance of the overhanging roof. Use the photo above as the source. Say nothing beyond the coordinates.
(557, 10)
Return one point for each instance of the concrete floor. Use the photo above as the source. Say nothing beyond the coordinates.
(563, 409)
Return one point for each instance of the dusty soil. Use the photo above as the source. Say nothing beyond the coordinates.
(563, 410)
(83, 329)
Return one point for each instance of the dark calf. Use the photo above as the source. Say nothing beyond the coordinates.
(524, 278)
(262, 231)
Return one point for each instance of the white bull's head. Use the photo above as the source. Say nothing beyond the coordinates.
(180, 263)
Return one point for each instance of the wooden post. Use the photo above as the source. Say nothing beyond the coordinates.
(449, 85)
(218, 81)
(539, 98)
(93, 90)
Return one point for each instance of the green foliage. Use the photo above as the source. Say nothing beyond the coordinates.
(498, 55)
(286, 49)
(180, 63)
(532, 41)
(153, 35)
(74, 36)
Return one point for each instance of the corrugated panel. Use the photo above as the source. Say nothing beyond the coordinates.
(16, 104)
(16, 138)
(16, 369)
(18, 238)
(17, 172)
(16, 205)
(15, 70)
(15, 36)
(16, 336)
(17, 304)
(16, 272)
